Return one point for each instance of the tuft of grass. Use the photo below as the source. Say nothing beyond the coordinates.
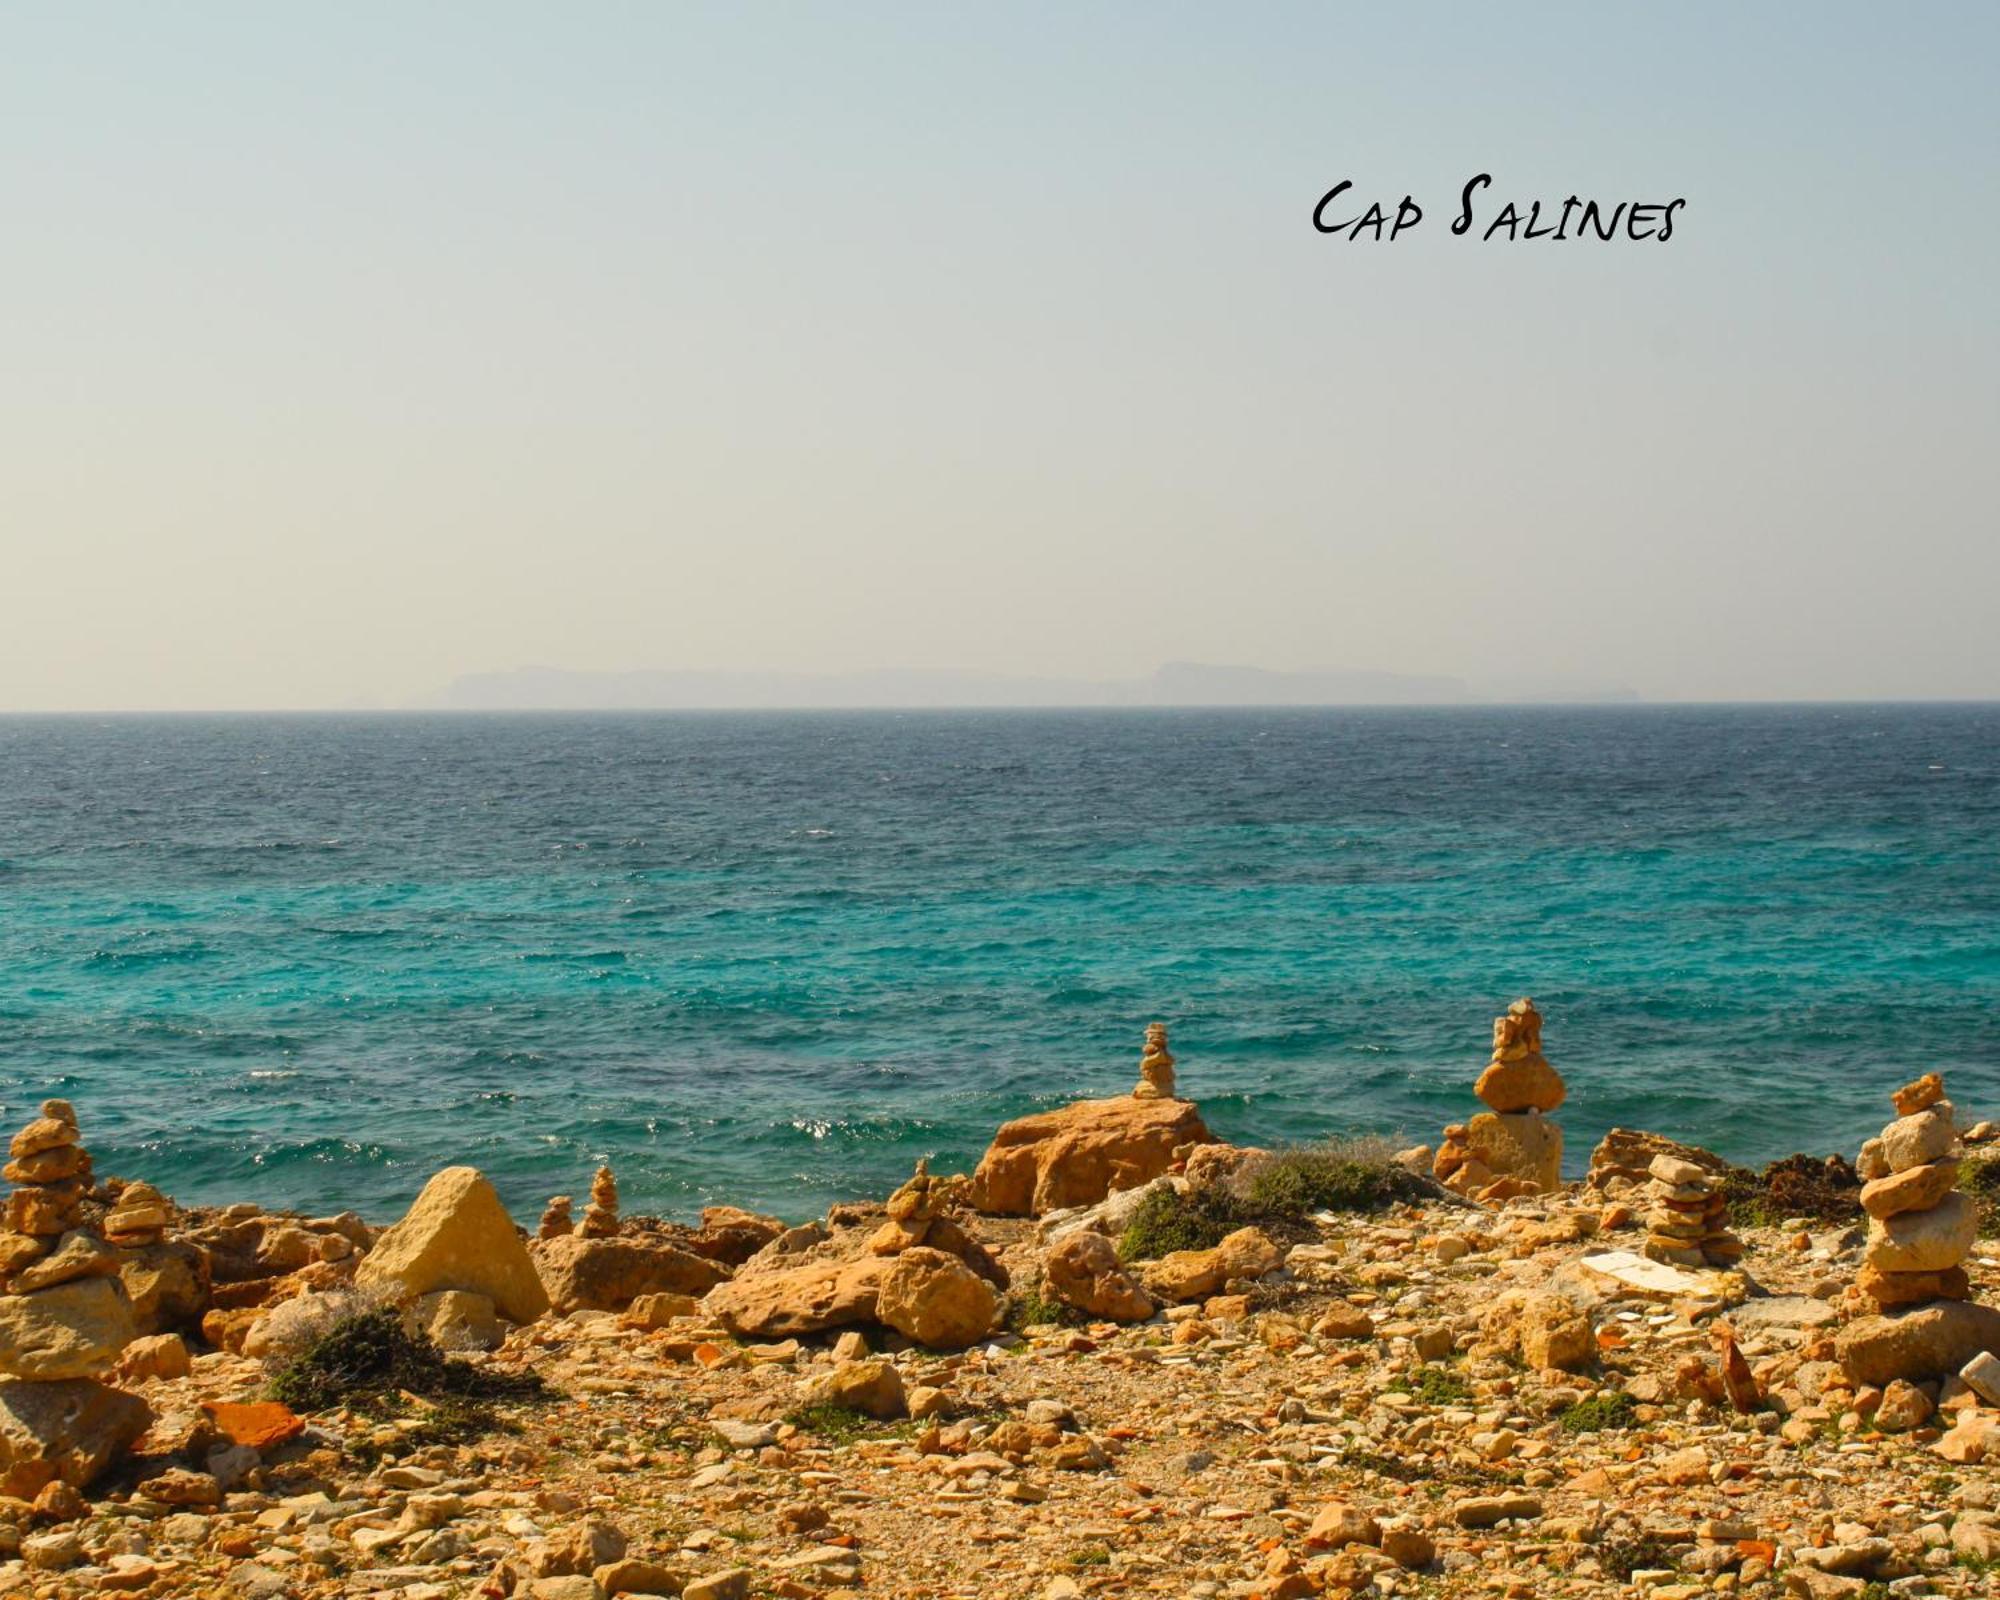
(371, 1361)
(1620, 1558)
(843, 1425)
(1981, 1180)
(1167, 1220)
(1435, 1386)
(1347, 1175)
(1612, 1409)
(1094, 1555)
(1028, 1306)
(1279, 1192)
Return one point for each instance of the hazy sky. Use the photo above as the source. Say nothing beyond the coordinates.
(344, 349)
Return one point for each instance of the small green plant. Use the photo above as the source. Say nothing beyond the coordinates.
(1981, 1180)
(1167, 1220)
(1435, 1386)
(1620, 1558)
(370, 1362)
(1820, 1189)
(1349, 1175)
(843, 1425)
(1029, 1306)
(1611, 1409)
(1093, 1555)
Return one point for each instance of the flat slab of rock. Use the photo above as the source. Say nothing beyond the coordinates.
(1636, 1274)
(609, 1274)
(1783, 1311)
(809, 1299)
(1924, 1342)
(457, 1235)
(1079, 1153)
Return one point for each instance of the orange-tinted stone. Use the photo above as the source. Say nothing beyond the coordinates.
(260, 1424)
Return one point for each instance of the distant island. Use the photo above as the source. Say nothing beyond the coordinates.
(1178, 683)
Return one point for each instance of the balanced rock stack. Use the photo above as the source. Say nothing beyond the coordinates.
(64, 1318)
(556, 1223)
(1511, 1148)
(1920, 1226)
(600, 1217)
(1687, 1217)
(1156, 1067)
(139, 1218)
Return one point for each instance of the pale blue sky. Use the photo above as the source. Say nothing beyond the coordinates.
(346, 350)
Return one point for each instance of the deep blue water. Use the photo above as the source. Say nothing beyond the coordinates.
(772, 958)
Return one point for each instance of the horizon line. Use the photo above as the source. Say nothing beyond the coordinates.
(1580, 704)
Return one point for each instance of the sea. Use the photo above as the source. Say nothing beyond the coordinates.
(771, 959)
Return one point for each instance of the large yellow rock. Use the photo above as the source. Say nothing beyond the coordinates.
(1079, 1153)
(935, 1299)
(1183, 1275)
(1517, 1144)
(1529, 1084)
(457, 1235)
(75, 1330)
(68, 1431)
(811, 1299)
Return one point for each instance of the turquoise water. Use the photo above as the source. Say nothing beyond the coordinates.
(771, 959)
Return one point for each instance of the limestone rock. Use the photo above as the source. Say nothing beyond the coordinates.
(597, 1274)
(167, 1283)
(935, 1299)
(1914, 1189)
(64, 1432)
(1530, 1085)
(1919, 1139)
(457, 1235)
(1084, 1272)
(1517, 1144)
(808, 1299)
(1923, 1241)
(1921, 1095)
(1184, 1275)
(1554, 1334)
(1624, 1156)
(74, 1330)
(1079, 1153)
(873, 1387)
(1927, 1342)
(457, 1319)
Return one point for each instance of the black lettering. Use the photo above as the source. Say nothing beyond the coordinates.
(1465, 201)
(1325, 200)
(1509, 218)
(1415, 215)
(1667, 222)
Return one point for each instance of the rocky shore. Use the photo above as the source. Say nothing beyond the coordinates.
(1119, 1358)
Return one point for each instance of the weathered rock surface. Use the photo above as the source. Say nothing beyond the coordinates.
(65, 1432)
(935, 1299)
(596, 1274)
(1926, 1342)
(1078, 1154)
(1923, 1241)
(74, 1330)
(457, 1235)
(808, 1299)
(1915, 1189)
(1184, 1275)
(1084, 1272)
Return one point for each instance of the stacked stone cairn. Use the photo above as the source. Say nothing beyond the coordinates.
(1687, 1217)
(1920, 1226)
(1156, 1067)
(556, 1223)
(139, 1218)
(64, 1317)
(1511, 1148)
(600, 1217)
(919, 1215)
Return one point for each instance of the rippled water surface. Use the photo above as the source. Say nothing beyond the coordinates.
(771, 959)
